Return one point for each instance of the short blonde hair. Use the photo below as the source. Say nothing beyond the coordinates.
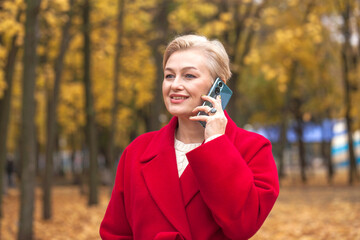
(218, 60)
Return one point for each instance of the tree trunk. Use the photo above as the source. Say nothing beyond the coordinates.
(161, 29)
(287, 100)
(282, 145)
(285, 116)
(28, 124)
(117, 66)
(5, 104)
(90, 111)
(51, 116)
(74, 164)
(326, 132)
(299, 128)
(326, 154)
(345, 52)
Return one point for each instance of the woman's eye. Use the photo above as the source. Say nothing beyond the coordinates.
(169, 76)
(189, 76)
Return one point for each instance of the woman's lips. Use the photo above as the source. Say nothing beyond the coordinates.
(177, 98)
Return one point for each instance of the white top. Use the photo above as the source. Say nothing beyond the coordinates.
(181, 149)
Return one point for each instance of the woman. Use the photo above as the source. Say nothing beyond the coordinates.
(186, 181)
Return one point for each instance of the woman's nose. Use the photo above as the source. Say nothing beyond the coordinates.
(177, 83)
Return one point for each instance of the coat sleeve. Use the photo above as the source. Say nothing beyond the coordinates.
(239, 186)
(115, 225)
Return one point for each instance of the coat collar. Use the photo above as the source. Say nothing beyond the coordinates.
(164, 138)
(162, 141)
(161, 176)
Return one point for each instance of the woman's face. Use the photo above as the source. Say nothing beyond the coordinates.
(186, 78)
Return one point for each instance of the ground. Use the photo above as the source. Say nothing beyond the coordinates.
(302, 212)
(314, 213)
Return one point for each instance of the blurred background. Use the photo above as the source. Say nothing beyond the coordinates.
(79, 80)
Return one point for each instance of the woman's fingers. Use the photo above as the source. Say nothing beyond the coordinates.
(202, 118)
(216, 103)
(205, 109)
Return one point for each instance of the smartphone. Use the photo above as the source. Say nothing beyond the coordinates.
(218, 88)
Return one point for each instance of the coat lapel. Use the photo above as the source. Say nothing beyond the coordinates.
(189, 186)
(161, 178)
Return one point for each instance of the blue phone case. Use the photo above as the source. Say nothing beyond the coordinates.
(218, 88)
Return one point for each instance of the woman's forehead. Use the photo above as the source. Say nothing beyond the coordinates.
(191, 58)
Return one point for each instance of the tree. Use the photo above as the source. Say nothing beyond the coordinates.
(347, 68)
(297, 102)
(117, 66)
(284, 72)
(28, 125)
(322, 108)
(90, 111)
(290, 97)
(239, 40)
(5, 104)
(288, 63)
(52, 114)
(161, 26)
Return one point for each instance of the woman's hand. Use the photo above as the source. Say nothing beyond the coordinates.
(215, 122)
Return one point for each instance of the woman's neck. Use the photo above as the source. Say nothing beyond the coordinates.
(189, 131)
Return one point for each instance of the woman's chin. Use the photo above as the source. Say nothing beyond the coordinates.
(181, 114)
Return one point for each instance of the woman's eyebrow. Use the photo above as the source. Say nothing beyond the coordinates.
(190, 67)
(184, 68)
(168, 69)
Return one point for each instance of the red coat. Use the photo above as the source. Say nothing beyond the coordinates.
(226, 191)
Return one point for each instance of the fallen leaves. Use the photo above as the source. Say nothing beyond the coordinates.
(314, 213)
(301, 213)
(72, 218)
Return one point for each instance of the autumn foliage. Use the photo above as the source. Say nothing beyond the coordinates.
(293, 62)
(282, 35)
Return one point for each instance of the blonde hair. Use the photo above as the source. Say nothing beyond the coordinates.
(218, 60)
